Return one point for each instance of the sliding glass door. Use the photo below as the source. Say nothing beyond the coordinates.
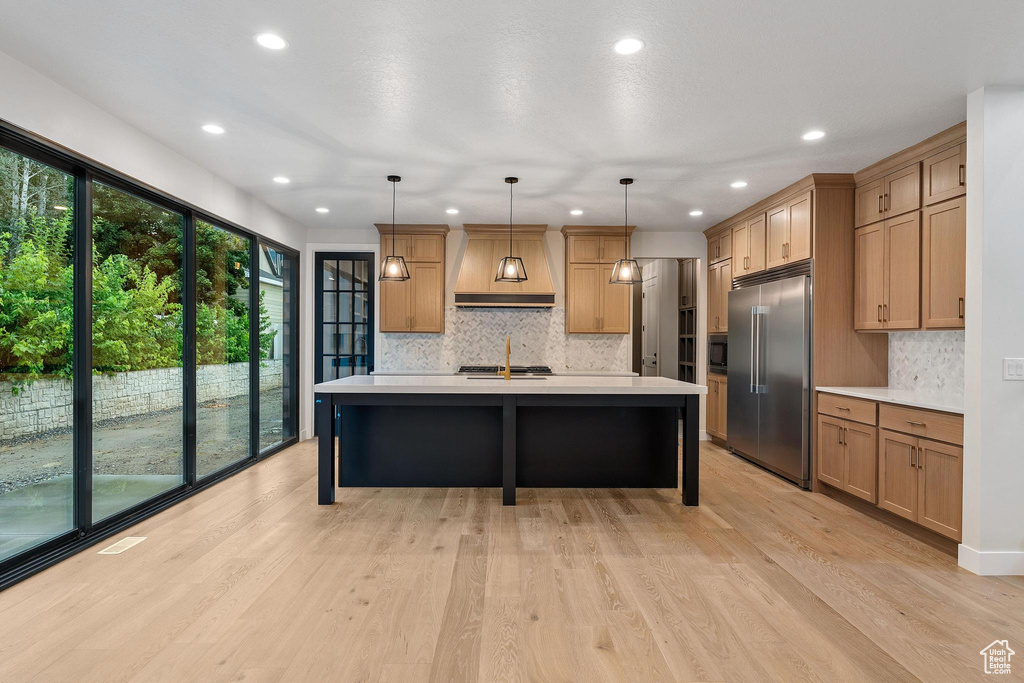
(137, 384)
(36, 365)
(279, 393)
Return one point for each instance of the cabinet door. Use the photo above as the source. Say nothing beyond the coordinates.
(945, 175)
(868, 276)
(687, 283)
(798, 241)
(943, 264)
(426, 298)
(831, 453)
(614, 303)
(861, 445)
(613, 248)
(777, 235)
(897, 473)
(756, 248)
(584, 248)
(940, 487)
(714, 296)
(741, 248)
(723, 408)
(713, 406)
(426, 248)
(902, 191)
(583, 293)
(901, 300)
(394, 306)
(725, 245)
(867, 202)
(401, 248)
(724, 286)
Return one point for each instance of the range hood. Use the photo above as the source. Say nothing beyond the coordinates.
(486, 244)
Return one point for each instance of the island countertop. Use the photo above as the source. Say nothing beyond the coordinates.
(552, 384)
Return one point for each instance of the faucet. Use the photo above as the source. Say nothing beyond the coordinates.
(508, 359)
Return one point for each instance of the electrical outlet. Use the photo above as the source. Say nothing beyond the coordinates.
(1013, 369)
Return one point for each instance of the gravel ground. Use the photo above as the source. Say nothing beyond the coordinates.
(148, 444)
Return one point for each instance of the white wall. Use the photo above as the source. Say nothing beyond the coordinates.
(993, 517)
(33, 102)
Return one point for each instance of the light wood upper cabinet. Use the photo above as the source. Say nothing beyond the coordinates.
(417, 304)
(901, 301)
(687, 283)
(615, 300)
(595, 248)
(719, 286)
(583, 294)
(748, 246)
(777, 234)
(945, 175)
(869, 268)
(867, 202)
(720, 246)
(613, 248)
(940, 487)
(901, 191)
(897, 473)
(426, 298)
(789, 231)
(892, 195)
(943, 264)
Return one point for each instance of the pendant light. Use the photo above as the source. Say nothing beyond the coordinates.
(510, 268)
(626, 270)
(393, 268)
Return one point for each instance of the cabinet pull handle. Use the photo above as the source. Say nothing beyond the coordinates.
(846, 436)
(841, 408)
(960, 307)
(962, 173)
(888, 202)
(913, 463)
(915, 423)
(885, 313)
(879, 203)
(879, 312)
(839, 435)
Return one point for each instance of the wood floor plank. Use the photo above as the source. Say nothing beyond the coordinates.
(252, 580)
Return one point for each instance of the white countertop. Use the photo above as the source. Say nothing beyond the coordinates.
(947, 403)
(565, 373)
(461, 384)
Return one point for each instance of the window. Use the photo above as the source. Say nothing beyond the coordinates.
(137, 384)
(279, 404)
(36, 327)
(222, 347)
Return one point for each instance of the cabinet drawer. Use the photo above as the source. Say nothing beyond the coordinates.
(855, 409)
(938, 426)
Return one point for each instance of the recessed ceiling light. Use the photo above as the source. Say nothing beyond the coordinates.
(451, 211)
(577, 212)
(322, 209)
(738, 184)
(213, 129)
(696, 212)
(281, 179)
(814, 135)
(629, 46)
(58, 207)
(271, 41)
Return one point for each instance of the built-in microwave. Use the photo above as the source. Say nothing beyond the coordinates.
(718, 352)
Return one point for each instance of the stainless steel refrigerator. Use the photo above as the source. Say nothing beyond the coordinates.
(769, 374)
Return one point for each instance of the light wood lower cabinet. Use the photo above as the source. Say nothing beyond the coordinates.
(846, 456)
(717, 407)
(921, 480)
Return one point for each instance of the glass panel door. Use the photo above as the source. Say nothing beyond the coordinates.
(279, 404)
(222, 348)
(345, 345)
(36, 298)
(137, 384)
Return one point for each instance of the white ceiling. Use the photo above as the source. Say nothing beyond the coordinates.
(455, 95)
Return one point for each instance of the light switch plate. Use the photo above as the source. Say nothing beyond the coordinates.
(1013, 369)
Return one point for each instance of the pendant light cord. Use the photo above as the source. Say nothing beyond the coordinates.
(510, 186)
(394, 197)
(625, 218)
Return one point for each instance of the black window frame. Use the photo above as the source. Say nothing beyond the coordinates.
(85, 531)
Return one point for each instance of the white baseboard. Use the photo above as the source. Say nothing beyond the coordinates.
(991, 563)
(303, 434)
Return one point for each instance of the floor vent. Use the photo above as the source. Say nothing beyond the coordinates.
(122, 545)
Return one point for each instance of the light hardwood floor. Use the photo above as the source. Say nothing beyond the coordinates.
(253, 581)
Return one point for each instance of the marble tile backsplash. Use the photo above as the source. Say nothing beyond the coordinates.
(929, 361)
(477, 336)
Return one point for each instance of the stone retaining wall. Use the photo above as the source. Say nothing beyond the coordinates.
(46, 404)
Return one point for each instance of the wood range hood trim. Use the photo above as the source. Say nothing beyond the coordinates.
(486, 243)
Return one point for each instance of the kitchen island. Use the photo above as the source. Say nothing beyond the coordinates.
(556, 431)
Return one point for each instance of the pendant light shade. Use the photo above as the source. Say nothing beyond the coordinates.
(626, 270)
(393, 268)
(510, 268)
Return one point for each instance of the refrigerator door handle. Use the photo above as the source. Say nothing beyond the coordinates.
(753, 350)
(757, 313)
